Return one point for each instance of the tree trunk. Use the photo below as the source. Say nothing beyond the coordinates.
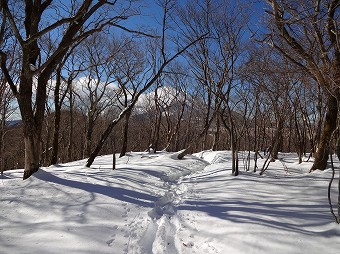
(255, 161)
(234, 166)
(198, 137)
(70, 147)
(278, 140)
(45, 146)
(158, 117)
(113, 154)
(299, 144)
(57, 116)
(32, 120)
(2, 145)
(125, 133)
(322, 154)
(234, 150)
(106, 134)
(216, 134)
(32, 151)
(55, 141)
(175, 132)
(155, 138)
(318, 131)
(89, 132)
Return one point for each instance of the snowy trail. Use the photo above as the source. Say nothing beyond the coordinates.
(163, 223)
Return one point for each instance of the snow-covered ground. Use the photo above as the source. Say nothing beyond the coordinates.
(154, 203)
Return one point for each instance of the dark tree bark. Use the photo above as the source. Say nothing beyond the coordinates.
(125, 133)
(322, 155)
(113, 154)
(277, 140)
(70, 146)
(57, 117)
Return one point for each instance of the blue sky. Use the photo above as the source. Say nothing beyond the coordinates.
(152, 13)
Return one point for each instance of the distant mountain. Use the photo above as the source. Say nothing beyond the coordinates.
(12, 123)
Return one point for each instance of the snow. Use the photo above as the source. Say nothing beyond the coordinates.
(155, 203)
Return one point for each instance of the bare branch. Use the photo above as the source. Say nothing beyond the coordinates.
(9, 15)
(134, 31)
(3, 59)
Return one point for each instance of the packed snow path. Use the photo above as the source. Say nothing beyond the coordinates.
(156, 204)
(161, 227)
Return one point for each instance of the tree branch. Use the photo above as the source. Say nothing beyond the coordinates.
(134, 31)
(3, 59)
(8, 13)
(295, 45)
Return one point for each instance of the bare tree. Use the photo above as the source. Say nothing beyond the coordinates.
(128, 68)
(63, 87)
(215, 60)
(81, 21)
(7, 109)
(96, 88)
(306, 116)
(196, 18)
(158, 115)
(151, 77)
(306, 33)
(177, 104)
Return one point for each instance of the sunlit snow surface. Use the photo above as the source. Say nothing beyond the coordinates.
(155, 203)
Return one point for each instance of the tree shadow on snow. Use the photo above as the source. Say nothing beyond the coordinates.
(288, 211)
(131, 196)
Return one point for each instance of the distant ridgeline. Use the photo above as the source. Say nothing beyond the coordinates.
(12, 123)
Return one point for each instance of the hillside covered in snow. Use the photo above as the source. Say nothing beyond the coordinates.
(155, 204)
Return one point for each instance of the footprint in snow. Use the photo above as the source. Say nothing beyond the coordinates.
(109, 242)
(189, 244)
(127, 210)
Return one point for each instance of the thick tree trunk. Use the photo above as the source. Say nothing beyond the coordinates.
(322, 154)
(32, 142)
(32, 121)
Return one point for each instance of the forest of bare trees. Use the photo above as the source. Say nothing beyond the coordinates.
(85, 79)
